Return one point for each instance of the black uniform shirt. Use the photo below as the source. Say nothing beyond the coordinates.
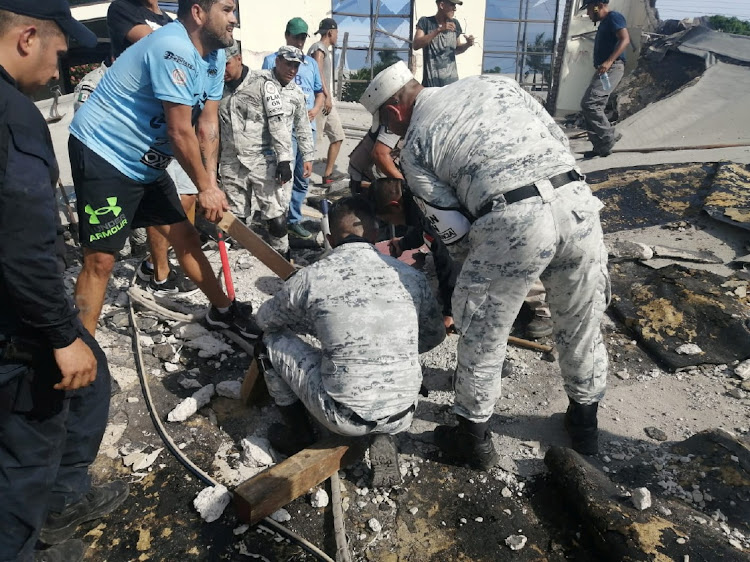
(33, 302)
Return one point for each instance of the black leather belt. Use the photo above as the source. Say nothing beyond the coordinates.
(531, 190)
(359, 420)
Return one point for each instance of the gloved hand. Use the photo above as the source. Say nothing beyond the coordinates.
(283, 172)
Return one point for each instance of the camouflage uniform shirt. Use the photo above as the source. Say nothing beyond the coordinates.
(258, 116)
(478, 138)
(373, 315)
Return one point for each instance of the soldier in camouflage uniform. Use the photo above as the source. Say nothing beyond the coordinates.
(257, 116)
(373, 316)
(499, 173)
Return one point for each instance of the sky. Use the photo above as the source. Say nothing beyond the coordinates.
(679, 9)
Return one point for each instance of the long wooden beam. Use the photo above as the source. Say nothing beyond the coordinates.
(278, 485)
(255, 245)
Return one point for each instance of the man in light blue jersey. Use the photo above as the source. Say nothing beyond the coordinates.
(309, 80)
(158, 101)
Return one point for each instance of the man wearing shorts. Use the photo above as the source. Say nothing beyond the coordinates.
(328, 120)
(158, 101)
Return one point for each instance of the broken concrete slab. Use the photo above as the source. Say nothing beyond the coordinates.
(700, 256)
(675, 305)
(729, 199)
(622, 533)
(229, 389)
(626, 250)
(257, 451)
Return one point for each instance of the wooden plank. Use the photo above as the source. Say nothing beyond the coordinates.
(254, 389)
(278, 485)
(519, 342)
(255, 245)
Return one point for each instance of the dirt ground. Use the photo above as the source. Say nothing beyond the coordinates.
(441, 511)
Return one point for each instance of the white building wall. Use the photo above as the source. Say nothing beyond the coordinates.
(578, 62)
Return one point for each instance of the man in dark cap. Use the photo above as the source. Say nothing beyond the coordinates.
(612, 39)
(54, 381)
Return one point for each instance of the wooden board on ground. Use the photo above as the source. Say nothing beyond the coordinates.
(278, 485)
(255, 245)
(254, 389)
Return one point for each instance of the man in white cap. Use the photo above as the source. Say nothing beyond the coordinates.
(257, 117)
(496, 172)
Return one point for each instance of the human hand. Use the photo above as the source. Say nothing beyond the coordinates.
(469, 40)
(447, 27)
(307, 169)
(77, 365)
(283, 172)
(450, 326)
(605, 66)
(327, 106)
(213, 201)
(394, 247)
(312, 114)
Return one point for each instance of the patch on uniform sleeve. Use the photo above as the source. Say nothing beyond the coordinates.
(179, 77)
(273, 99)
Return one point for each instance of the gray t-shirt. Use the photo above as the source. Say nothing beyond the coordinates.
(439, 55)
(327, 62)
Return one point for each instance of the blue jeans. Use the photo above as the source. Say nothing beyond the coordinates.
(299, 186)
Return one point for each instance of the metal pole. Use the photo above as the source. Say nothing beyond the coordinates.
(525, 45)
(342, 58)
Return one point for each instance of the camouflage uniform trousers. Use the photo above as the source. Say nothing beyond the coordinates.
(241, 180)
(296, 375)
(557, 237)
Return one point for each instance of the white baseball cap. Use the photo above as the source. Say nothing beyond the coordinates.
(383, 87)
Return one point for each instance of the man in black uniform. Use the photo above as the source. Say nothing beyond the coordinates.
(54, 381)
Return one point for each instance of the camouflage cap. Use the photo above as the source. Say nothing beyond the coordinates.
(233, 50)
(291, 53)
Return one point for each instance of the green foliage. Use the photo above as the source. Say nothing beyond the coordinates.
(538, 58)
(352, 91)
(730, 25)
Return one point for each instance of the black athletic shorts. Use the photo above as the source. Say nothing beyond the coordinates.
(110, 204)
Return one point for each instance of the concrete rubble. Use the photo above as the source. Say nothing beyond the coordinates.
(698, 497)
(191, 405)
(211, 502)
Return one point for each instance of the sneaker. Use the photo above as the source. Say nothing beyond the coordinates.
(145, 271)
(239, 318)
(68, 551)
(100, 501)
(175, 284)
(298, 231)
(539, 327)
(384, 461)
(461, 442)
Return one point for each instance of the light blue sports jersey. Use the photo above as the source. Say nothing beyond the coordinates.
(308, 79)
(123, 120)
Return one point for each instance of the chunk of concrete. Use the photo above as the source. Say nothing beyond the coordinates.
(319, 498)
(743, 370)
(641, 498)
(191, 331)
(190, 405)
(516, 542)
(211, 502)
(627, 250)
(229, 389)
(257, 451)
(208, 346)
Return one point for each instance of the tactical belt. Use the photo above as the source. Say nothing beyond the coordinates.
(531, 190)
(359, 420)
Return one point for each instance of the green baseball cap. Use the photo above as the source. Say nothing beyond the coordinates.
(296, 26)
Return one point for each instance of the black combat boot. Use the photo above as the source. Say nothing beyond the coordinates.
(469, 442)
(581, 424)
(98, 502)
(295, 434)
